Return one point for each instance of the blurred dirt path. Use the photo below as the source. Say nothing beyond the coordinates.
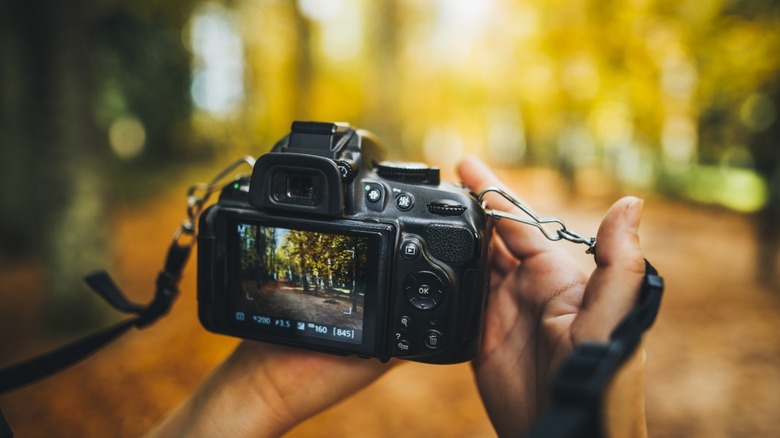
(714, 355)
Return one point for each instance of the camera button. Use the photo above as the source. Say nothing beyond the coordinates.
(434, 340)
(402, 346)
(410, 250)
(404, 202)
(373, 194)
(424, 290)
(405, 322)
(422, 304)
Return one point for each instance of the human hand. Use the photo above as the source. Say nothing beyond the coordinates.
(541, 305)
(263, 390)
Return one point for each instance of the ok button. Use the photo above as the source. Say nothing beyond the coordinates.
(424, 290)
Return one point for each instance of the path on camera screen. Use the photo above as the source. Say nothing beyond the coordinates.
(280, 300)
(713, 355)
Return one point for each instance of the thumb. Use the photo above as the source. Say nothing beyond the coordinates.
(614, 286)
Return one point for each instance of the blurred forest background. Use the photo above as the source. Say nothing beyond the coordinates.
(108, 108)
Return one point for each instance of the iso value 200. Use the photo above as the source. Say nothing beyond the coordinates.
(264, 320)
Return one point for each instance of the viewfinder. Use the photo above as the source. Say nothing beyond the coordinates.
(300, 187)
(297, 187)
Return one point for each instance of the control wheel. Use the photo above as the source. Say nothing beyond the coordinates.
(424, 290)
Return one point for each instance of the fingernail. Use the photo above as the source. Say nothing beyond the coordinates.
(634, 214)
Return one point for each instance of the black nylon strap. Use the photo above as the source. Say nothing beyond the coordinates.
(580, 384)
(27, 372)
(39, 367)
(5, 429)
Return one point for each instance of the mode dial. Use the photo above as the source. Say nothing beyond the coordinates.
(408, 172)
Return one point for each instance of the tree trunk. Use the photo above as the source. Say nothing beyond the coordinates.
(384, 83)
(304, 66)
(51, 186)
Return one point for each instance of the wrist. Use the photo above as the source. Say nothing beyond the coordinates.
(230, 402)
(624, 400)
(264, 390)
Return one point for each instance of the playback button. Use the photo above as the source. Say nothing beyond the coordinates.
(410, 250)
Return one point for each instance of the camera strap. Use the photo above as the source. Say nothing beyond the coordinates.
(581, 382)
(167, 289)
(578, 388)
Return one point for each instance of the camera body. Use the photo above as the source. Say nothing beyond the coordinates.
(329, 248)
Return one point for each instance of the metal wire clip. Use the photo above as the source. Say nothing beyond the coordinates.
(561, 233)
(198, 194)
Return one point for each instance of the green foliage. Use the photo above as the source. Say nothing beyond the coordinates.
(337, 259)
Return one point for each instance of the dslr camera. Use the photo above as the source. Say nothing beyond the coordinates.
(327, 247)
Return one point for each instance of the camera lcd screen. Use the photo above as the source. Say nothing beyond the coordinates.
(302, 284)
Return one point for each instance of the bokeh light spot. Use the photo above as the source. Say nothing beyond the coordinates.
(127, 136)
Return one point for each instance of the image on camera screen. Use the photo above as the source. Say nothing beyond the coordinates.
(305, 283)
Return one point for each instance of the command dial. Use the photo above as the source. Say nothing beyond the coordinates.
(408, 172)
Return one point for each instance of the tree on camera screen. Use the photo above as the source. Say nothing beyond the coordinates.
(303, 278)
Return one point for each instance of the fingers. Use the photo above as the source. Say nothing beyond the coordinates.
(523, 241)
(614, 285)
(501, 259)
